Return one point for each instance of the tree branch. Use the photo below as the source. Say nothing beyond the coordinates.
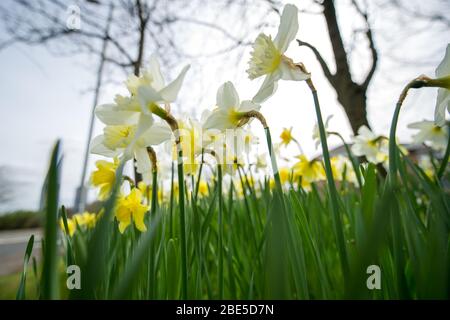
(340, 55)
(323, 64)
(373, 50)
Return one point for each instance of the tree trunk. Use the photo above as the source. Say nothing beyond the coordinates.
(351, 95)
(353, 100)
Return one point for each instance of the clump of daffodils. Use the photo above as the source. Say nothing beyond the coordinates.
(85, 220)
(129, 124)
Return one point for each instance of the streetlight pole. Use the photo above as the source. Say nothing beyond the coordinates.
(80, 198)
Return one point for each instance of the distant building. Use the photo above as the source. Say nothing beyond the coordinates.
(415, 151)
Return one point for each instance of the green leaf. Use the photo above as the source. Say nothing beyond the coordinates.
(49, 281)
(21, 291)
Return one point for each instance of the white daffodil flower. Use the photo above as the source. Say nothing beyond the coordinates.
(151, 90)
(268, 59)
(436, 135)
(443, 97)
(316, 132)
(129, 122)
(368, 144)
(230, 111)
(121, 141)
(148, 92)
(261, 161)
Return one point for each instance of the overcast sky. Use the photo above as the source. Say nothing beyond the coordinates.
(44, 97)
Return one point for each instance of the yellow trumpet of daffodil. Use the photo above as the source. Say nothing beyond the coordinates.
(308, 170)
(146, 191)
(79, 220)
(104, 176)
(191, 139)
(71, 226)
(286, 136)
(130, 208)
(285, 174)
(85, 219)
(203, 189)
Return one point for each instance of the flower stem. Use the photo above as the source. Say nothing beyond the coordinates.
(351, 157)
(184, 275)
(392, 143)
(199, 175)
(331, 185)
(153, 159)
(220, 237)
(171, 201)
(298, 145)
(276, 175)
(417, 83)
(446, 156)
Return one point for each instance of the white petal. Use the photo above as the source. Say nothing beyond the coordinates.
(155, 71)
(248, 105)
(143, 163)
(170, 92)
(365, 132)
(268, 88)
(356, 149)
(219, 119)
(158, 133)
(421, 124)
(227, 96)
(443, 69)
(289, 72)
(204, 116)
(145, 123)
(288, 27)
(147, 95)
(114, 116)
(327, 121)
(442, 105)
(97, 147)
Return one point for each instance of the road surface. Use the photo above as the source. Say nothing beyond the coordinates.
(12, 248)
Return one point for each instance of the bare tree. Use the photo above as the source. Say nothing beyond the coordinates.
(352, 94)
(137, 28)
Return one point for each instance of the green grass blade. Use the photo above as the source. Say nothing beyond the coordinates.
(21, 291)
(49, 282)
